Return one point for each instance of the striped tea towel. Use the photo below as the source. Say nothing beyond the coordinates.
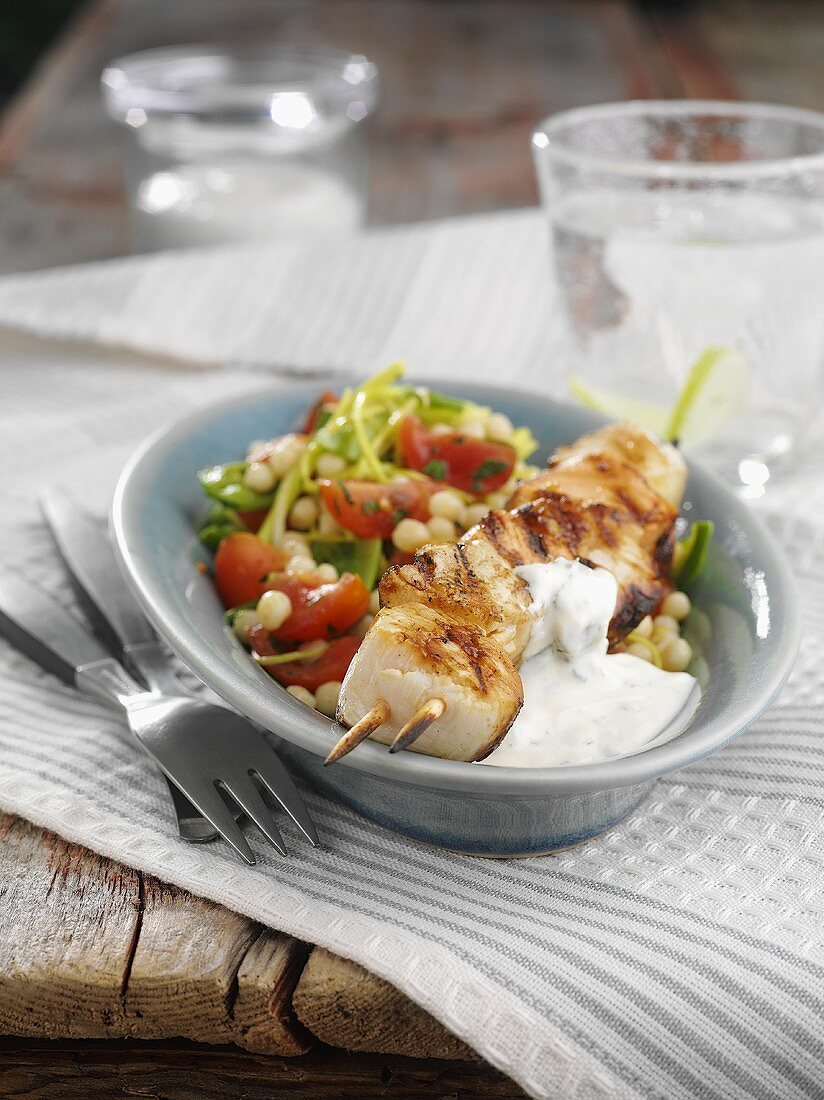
(680, 955)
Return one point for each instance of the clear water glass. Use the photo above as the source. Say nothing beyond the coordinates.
(678, 226)
(242, 145)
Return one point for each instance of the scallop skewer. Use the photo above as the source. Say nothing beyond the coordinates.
(456, 622)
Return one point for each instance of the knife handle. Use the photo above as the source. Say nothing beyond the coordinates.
(101, 590)
(38, 627)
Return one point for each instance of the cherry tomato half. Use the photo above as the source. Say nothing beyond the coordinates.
(463, 461)
(242, 565)
(320, 610)
(332, 665)
(371, 510)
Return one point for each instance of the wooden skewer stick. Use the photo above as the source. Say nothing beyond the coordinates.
(360, 731)
(419, 723)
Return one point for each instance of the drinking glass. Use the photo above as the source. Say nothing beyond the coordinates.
(683, 226)
(234, 145)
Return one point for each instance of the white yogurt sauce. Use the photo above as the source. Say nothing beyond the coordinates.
(582, 705)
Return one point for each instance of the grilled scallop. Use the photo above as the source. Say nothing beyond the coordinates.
(469, 582)
(660, 464)
(413, 654)
(603, 512)
(593, 507)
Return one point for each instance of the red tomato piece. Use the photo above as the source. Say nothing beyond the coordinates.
(401, 557)
(252, 520)
(332, 665)
(243, 563)
(473, 465)
(371, 510)
(320, 610)
(327, 400)
(261, 641)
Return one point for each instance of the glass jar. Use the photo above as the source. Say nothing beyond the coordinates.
(241, 145)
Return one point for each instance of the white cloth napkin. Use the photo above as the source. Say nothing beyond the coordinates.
(681, 954)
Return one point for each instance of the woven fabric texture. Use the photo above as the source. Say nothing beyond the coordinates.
(681, 954)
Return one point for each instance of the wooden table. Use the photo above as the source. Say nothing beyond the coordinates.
(464, 83)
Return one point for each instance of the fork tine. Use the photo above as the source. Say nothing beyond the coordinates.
(248, 797)
(279, 783)
(208, 800)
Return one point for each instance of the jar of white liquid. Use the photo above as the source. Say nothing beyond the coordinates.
(241, 145)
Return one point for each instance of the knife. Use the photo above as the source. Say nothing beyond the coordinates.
(117, 621)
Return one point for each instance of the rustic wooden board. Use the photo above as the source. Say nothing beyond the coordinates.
(334, 992)
(750, 49)
(87, 1070)
(91, 949)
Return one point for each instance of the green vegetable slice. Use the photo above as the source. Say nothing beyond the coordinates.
(273, 527)
(715, 389)
(225, 484)
(220, 522)
(691, 553)
(360, 556)
(643, 413)
(308, 654)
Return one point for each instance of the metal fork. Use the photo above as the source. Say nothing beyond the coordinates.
(207, 751)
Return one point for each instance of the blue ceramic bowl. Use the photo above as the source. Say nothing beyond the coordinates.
(747, 591)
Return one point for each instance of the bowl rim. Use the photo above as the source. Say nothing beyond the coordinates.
(310, 731)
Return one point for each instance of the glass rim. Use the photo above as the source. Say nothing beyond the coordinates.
(544, 141)
(135, 80)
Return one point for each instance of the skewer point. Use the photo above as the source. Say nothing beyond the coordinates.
(360, 731)
(419, 723)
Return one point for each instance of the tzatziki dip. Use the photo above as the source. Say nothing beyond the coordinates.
(582, 704)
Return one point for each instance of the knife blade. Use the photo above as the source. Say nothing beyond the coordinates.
(115, 618)
(42, 630)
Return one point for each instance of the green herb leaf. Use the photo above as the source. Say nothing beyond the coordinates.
(486, 470)
(220, 522)
(369, 507)
(436, 469)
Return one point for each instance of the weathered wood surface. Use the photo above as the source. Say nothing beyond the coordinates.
(93, 950)
(333, 993)
(87, 1070)
(463, 85)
